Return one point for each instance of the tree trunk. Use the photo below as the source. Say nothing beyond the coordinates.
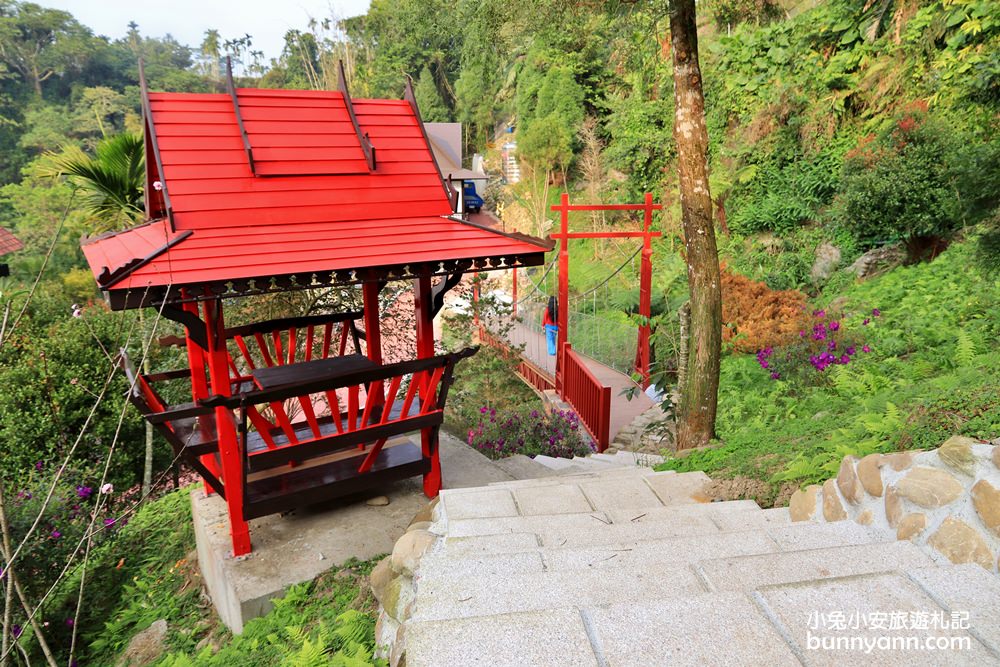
(699, 394)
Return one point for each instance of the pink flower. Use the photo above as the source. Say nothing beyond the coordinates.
(107, 488)
(865, 348)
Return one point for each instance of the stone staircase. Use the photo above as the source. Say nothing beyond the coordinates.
(616, 565)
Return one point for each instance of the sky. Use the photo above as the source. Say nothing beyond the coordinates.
(187, 20)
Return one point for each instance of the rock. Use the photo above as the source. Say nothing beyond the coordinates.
(996, 455)
(870, 474)
(833, 510)
(146, 647)
(957, 453)
(986, 500)
(847, 481)
(419, 525)
(382, 574)
(427, 513)
(377, 501)
(893, 507)
(899, 461)
(802, 506)
(865, 518)
(878, 260)
(929, 487)
(911, 526)
(408, 550)
(391, 596)
(961, 543)
(827, 260)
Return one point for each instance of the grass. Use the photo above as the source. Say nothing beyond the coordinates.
(933, 372)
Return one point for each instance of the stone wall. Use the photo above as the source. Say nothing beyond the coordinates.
(392, 583)
(947, 498)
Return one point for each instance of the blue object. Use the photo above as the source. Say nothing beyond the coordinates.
(473, 202)
(551, 331)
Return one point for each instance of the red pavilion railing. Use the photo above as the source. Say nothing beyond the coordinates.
(589, 397)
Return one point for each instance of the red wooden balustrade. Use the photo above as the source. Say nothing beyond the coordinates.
(529, 372)
(590, 399)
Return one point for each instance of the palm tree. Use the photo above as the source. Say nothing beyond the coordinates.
(111, 182)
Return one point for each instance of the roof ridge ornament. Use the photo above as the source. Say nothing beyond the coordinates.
(231, 89)
(366, 144)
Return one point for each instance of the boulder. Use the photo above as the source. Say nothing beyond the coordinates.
(870, 474)
(878, 260)
(833, 509)
(146, 647)
(848, 482)
(961, 543)
(802, 506)
(929, 487)
(986, 500)
(911, 526)
(893, 507)
(826, 262)
(408, 550)
(956, 452)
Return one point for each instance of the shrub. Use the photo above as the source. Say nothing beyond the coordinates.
(520, 431)
(830, 342)
(754, 316)
(917, 181)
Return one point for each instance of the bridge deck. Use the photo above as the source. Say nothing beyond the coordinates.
(623, 411)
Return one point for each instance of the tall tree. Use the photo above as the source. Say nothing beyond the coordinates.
(700, 393)
(432, 107)
(28, 37)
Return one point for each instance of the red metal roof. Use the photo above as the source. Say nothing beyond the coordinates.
(309, 202)
(8, 242)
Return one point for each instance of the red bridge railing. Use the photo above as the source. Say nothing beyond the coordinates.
(529, 372)
(590, 398)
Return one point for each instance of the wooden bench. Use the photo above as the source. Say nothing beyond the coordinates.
(379, 408)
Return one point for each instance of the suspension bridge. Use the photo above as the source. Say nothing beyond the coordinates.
(599, 346)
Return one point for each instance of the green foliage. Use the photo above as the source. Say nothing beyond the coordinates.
(54, 369)
(111, 183)
(432, 107)
(928, 377)
(908, 183)
(729, 13)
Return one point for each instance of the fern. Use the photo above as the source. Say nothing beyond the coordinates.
(965, 349)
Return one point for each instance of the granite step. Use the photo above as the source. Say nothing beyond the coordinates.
(553, 462)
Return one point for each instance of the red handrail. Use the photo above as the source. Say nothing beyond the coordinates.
(590, 398)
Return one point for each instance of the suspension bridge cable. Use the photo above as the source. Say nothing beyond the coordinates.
(606, 280)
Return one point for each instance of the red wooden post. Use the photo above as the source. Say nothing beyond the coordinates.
(563, 317)
(645, 291)
(229, 447)
(425, 349)
(373, 331)
(199, 390)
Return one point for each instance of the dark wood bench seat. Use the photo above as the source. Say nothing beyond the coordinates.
(327, 481)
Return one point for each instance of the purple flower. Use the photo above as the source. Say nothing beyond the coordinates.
(483, 410)
(819, 313)
(69, 622)
(844, 359)
(109, 522)
(83, 492)
(15, 630)
(534, 414)
(775, 375)
(832, 345)
(834, 325)
(56, 534)
(764, 364)
(865, 323)
(38, 465)
(850, 350)
(802, 334)
(865, 348)
(876, 312)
